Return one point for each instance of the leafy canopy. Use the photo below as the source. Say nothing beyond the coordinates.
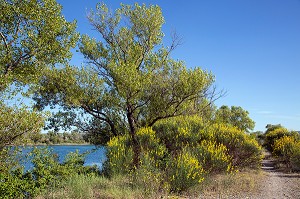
(33, 34)
(235, 116)
(130, 80)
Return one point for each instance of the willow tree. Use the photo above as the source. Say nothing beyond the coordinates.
(33, 36)
(129, 79)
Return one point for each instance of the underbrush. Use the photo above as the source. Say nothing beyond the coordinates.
(178, 153)
(242, 184)
(238, 184)
(94, 186)
(175, 156)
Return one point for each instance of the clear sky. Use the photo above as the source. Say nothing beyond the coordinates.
(251, 46)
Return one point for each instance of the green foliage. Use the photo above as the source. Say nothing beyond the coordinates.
(295, 158)
(119, 155)
(14, 184)
(47, 172)
(131, 81)
(236, 117)
(120, 152)
(182, 150)
(244, 150)
(284, 144)
(184, 171)
(287, 148)
(274, 134)
(33, 35)
(18, 125)
(178, 132)
(52, 137)
(213, 157)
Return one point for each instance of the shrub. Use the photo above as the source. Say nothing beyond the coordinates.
(119, 156)
(47, 172)
(273, 135)
(295, 159)
(181, 152)
(14, 183)
(149, 176)
(184, 171)
(288, 149)
(177, 133)
(213, 157)
(120, 152)
(244, 150)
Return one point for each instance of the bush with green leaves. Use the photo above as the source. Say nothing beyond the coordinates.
(213, 157)
(190, 131)
(176, 133)
(287, 148)
(184, 171)
(120, 152)
(242, 148)
(274, 134)
(215, 149)
(47, 172)
(14, 184)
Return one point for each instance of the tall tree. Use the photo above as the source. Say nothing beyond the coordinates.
(33, 36)
(235, 116)
(130, 80)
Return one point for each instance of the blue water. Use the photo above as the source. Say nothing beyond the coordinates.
(95, 157)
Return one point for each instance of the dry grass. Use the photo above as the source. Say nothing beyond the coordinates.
(237, 185)
(82, 186)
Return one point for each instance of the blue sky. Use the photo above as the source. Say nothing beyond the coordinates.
(251, 46)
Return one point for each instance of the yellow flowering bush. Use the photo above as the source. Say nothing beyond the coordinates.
(152, 151)
(273, 135)
(295, 159)
(243, 149)
(119, 155)
(120, 152)
(184, 171)
(177, 152)
(288, 149)
(176, 133)
(213, 157)
(149, 175)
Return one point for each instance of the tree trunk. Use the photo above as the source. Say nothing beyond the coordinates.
(135, 144)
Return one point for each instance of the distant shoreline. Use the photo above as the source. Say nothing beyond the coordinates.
(62, 144)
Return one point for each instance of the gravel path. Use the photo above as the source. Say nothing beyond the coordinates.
(278, 185)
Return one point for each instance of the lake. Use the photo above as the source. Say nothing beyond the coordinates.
(96, 157)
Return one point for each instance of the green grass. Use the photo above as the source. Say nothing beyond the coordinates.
(92, 186)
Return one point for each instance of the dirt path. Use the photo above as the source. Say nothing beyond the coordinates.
(276, 184)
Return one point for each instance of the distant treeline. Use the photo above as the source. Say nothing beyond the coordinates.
(52, 137)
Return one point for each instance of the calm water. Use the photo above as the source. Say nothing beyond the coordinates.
(96, 157)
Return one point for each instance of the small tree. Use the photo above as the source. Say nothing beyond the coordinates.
(235, 116)
(130, 80)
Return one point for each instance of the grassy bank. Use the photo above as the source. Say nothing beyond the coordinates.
(239, 184)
